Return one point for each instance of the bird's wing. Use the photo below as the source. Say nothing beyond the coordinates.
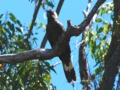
(54, 30)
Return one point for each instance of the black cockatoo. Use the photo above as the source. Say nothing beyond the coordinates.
(54, 30)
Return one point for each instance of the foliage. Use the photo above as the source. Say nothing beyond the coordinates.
(100, 37)
(30, 75)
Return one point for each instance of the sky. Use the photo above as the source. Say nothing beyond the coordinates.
(71, 9)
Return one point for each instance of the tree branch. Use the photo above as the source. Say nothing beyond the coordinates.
(111, 70)
(83, 64)
(44, 54)
(59, 6)
(34, 18)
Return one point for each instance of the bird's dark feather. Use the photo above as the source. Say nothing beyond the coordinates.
(54, 30)
(53, 34)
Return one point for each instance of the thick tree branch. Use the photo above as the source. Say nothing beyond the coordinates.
(83, 64)
(44, 54)
(44, 41)
(111, 70)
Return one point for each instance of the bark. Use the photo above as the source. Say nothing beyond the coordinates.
(83, 64)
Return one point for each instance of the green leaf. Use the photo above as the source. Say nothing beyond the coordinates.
(35, 38)
(84, 83)
(11, 26)
(47, 77)
(0, 22)
(19, 23)
(52, 68)
(1, 15)
(18, 29)
(13, 29)
(98, 70)
(13, 18)
(105, 30)
(98, 20)
(105, 22)
(49, 3)
(41, 25)
(93, 46)
(100, 30)
(103, 11)
(2, 30)
(90, 35)
(8, 31)
(36, 33)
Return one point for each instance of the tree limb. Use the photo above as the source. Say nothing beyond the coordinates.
(111, 70)
(83, 64)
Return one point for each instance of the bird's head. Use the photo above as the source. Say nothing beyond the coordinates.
(51, 15)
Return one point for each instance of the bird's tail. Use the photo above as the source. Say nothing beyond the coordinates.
(69, 71)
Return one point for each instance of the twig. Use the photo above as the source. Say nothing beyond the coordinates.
(57, 63)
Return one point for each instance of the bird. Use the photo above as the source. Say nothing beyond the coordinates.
(54, 30)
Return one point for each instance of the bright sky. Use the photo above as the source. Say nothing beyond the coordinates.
(72, 9)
